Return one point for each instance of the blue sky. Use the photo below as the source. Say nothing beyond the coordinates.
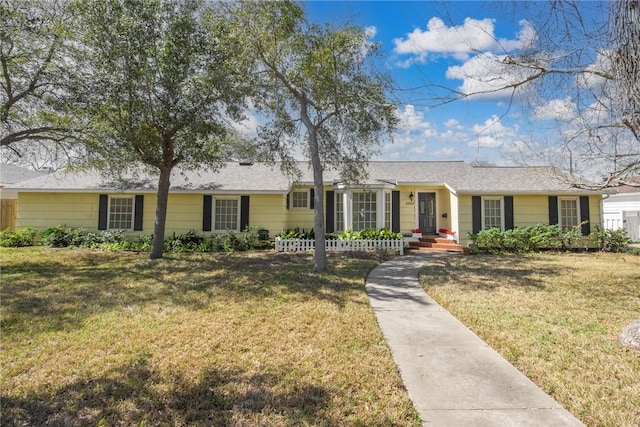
(440, 43)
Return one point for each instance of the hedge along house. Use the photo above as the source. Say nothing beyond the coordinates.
(400, 196)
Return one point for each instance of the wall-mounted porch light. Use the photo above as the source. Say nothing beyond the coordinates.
(411, 196)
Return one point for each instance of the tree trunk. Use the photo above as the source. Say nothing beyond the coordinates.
(320, 258)
(161, 213)
(625, 36)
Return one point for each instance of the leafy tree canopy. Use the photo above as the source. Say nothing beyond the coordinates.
(158, 82)
(35, 73)
(319, 90)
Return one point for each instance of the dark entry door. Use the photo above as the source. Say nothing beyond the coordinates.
(427, 212)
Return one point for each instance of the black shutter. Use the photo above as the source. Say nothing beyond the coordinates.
(103, 205)
(395, 211)
(508, 213)
(312, 199)
(288, 200)
(553, 210)
(244, 212)
(476, 214)
(584, 215)
(138, 210)
(329, 213)
(207, 207)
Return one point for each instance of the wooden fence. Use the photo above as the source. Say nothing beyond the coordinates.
(285, 245)
(8, 211)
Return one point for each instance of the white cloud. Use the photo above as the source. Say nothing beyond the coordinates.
(450, 139)
(370, 31)
(453, 124)
(412, 120)
(461, 41)
(492, 134)
(592, 78)
(248, 126)
(556, 109)
(488, 76)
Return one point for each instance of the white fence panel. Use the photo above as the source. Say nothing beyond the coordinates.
(286, 245)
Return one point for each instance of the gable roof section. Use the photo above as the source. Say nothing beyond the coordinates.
(460, 177)
(233, 177)
(464, 178)
(627, 189)
(11, 174)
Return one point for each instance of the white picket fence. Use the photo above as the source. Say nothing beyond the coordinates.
(285, 245)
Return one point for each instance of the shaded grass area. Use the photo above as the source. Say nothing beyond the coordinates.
(105, 338)
(557, 318)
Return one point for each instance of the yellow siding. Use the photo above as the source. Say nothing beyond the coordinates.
(43, 210)
(528, 210)
(302, 218)
(268, 211)
(443, 205)
(409, 210)
(464, 217)
(595, 212)
(184, 211)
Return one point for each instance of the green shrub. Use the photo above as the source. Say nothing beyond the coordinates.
(381, 234)
(367, 234)
(24, 236)
(488, 240)
(297, 233)
(63, 237)
(187, 242)
(524, 239)
(612, 240)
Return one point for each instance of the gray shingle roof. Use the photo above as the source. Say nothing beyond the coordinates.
(10, 174)
(462, 177)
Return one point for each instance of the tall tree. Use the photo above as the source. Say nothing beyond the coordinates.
(34, 74)
(581, 70)
(159, 81)
(319, 92)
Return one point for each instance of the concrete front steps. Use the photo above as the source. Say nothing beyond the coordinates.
(436, 244)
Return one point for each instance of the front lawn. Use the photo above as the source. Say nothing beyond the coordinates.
(557, 318)
(106, 338)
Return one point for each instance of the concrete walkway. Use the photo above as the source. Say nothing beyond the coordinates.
(452, 376)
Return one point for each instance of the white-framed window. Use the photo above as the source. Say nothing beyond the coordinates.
(364, 210)
(300, 199)
(121, 213)
(568, 212)
(387, 210)
(492, 213)
(339, 211)
(226, 214)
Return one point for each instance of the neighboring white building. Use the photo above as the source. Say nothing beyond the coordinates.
(622, 210)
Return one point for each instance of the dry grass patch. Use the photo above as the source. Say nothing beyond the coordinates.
(557, 318)
(193, 339)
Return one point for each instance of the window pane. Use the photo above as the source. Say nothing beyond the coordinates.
(226, 215)
(492, 213)
(387, 211)
(339, 211)
(568, 213)
(364, 211)
(300, 199)
(120, 213)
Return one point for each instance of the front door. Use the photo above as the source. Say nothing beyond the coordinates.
(427, 212)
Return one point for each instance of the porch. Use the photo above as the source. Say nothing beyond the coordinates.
(435, 243)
